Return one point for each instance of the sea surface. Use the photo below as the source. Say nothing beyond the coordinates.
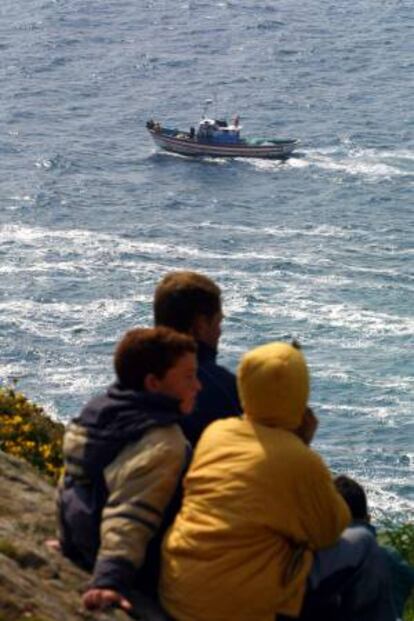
(319, 247)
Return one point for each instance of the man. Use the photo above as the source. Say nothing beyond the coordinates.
(190, 302)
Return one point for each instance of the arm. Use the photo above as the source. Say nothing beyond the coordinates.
(325, 514)
(99, 599)
(141, 482)
(308, 427)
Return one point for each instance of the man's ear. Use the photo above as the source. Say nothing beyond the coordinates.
(151, 383)
(198, 327)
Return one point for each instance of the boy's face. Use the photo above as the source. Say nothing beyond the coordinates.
(180, 382)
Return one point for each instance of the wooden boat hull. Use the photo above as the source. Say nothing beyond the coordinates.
(277, 149)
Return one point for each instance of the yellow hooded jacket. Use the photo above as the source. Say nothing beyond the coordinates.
(257, 502)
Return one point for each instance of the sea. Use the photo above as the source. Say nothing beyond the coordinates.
(318, 247)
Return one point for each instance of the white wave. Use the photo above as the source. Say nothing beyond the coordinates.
(323, 230)
(11, 370)
(371, 163)
(89, 243)
(84, 381)
(403, 384)
(379, 472)
(356, 167)
(296, 162)
(382, 501)
(219, 161)
(275, 165)
(85, 246)
(25, 199)
(349, 316)
(399, 154)
(79, 322)
(265, 165)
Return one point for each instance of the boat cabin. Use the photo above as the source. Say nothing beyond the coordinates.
(217, 131)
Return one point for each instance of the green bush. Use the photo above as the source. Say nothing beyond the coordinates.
(26, 431)
(401, 537)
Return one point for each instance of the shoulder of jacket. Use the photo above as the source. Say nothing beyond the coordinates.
(171, 436)
(158, 443)
(74, 435)
(303, 455)
(222, 425)
(158, 447)
(212, 368)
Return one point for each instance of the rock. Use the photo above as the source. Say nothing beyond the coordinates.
(36, 583)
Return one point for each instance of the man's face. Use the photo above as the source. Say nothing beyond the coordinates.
(180, 382)
(208, 329)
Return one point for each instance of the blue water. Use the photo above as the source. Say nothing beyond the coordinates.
(319, 247)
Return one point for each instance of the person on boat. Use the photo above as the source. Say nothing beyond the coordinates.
(124, 457)
(262, 523)
(191, 303)
(192, 133)
(402, 574)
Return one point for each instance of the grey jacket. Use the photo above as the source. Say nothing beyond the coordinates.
(124, 459)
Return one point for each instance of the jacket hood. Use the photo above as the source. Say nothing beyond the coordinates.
(273, 383)
(115, 418)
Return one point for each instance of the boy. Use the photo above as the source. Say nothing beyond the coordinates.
(402, 574)
(260, 508)
(191, 303)
(124, 457)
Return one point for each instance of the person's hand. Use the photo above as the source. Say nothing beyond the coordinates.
(308, 426)
(98, 599)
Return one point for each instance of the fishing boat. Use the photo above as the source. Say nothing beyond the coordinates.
(218, 138)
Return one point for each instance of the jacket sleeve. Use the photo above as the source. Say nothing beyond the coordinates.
(141, 482)
(324, 512)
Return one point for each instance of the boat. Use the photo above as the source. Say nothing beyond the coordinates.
(218, 138)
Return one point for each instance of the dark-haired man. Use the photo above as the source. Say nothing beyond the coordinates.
(191, 303)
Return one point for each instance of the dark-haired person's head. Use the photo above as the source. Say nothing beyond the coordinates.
(354, 495)
(191, 303)
(159, 360)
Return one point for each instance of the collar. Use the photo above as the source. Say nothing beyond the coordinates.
(205, 353)
(147, 400)
(364, 524)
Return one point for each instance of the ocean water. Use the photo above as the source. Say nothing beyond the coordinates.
(319, 247)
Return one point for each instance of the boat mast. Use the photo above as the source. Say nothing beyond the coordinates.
(207, 103)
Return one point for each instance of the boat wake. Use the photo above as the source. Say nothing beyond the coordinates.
(370, 164)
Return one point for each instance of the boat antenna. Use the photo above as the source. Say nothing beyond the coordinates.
(215, 105)
(207, 103)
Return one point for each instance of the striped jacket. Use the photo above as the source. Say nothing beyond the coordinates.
(124, 459)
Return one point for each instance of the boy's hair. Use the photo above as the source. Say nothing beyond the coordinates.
(149, 350)
(354, 495)
(181, 297)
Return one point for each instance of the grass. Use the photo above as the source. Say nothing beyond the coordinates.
(8, 549)
(401, 537)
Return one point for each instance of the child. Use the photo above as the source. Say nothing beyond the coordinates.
(124, 457)
(402, 574)
(261, 519)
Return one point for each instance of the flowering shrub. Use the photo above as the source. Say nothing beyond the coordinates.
(401, 537)
(27, 432)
